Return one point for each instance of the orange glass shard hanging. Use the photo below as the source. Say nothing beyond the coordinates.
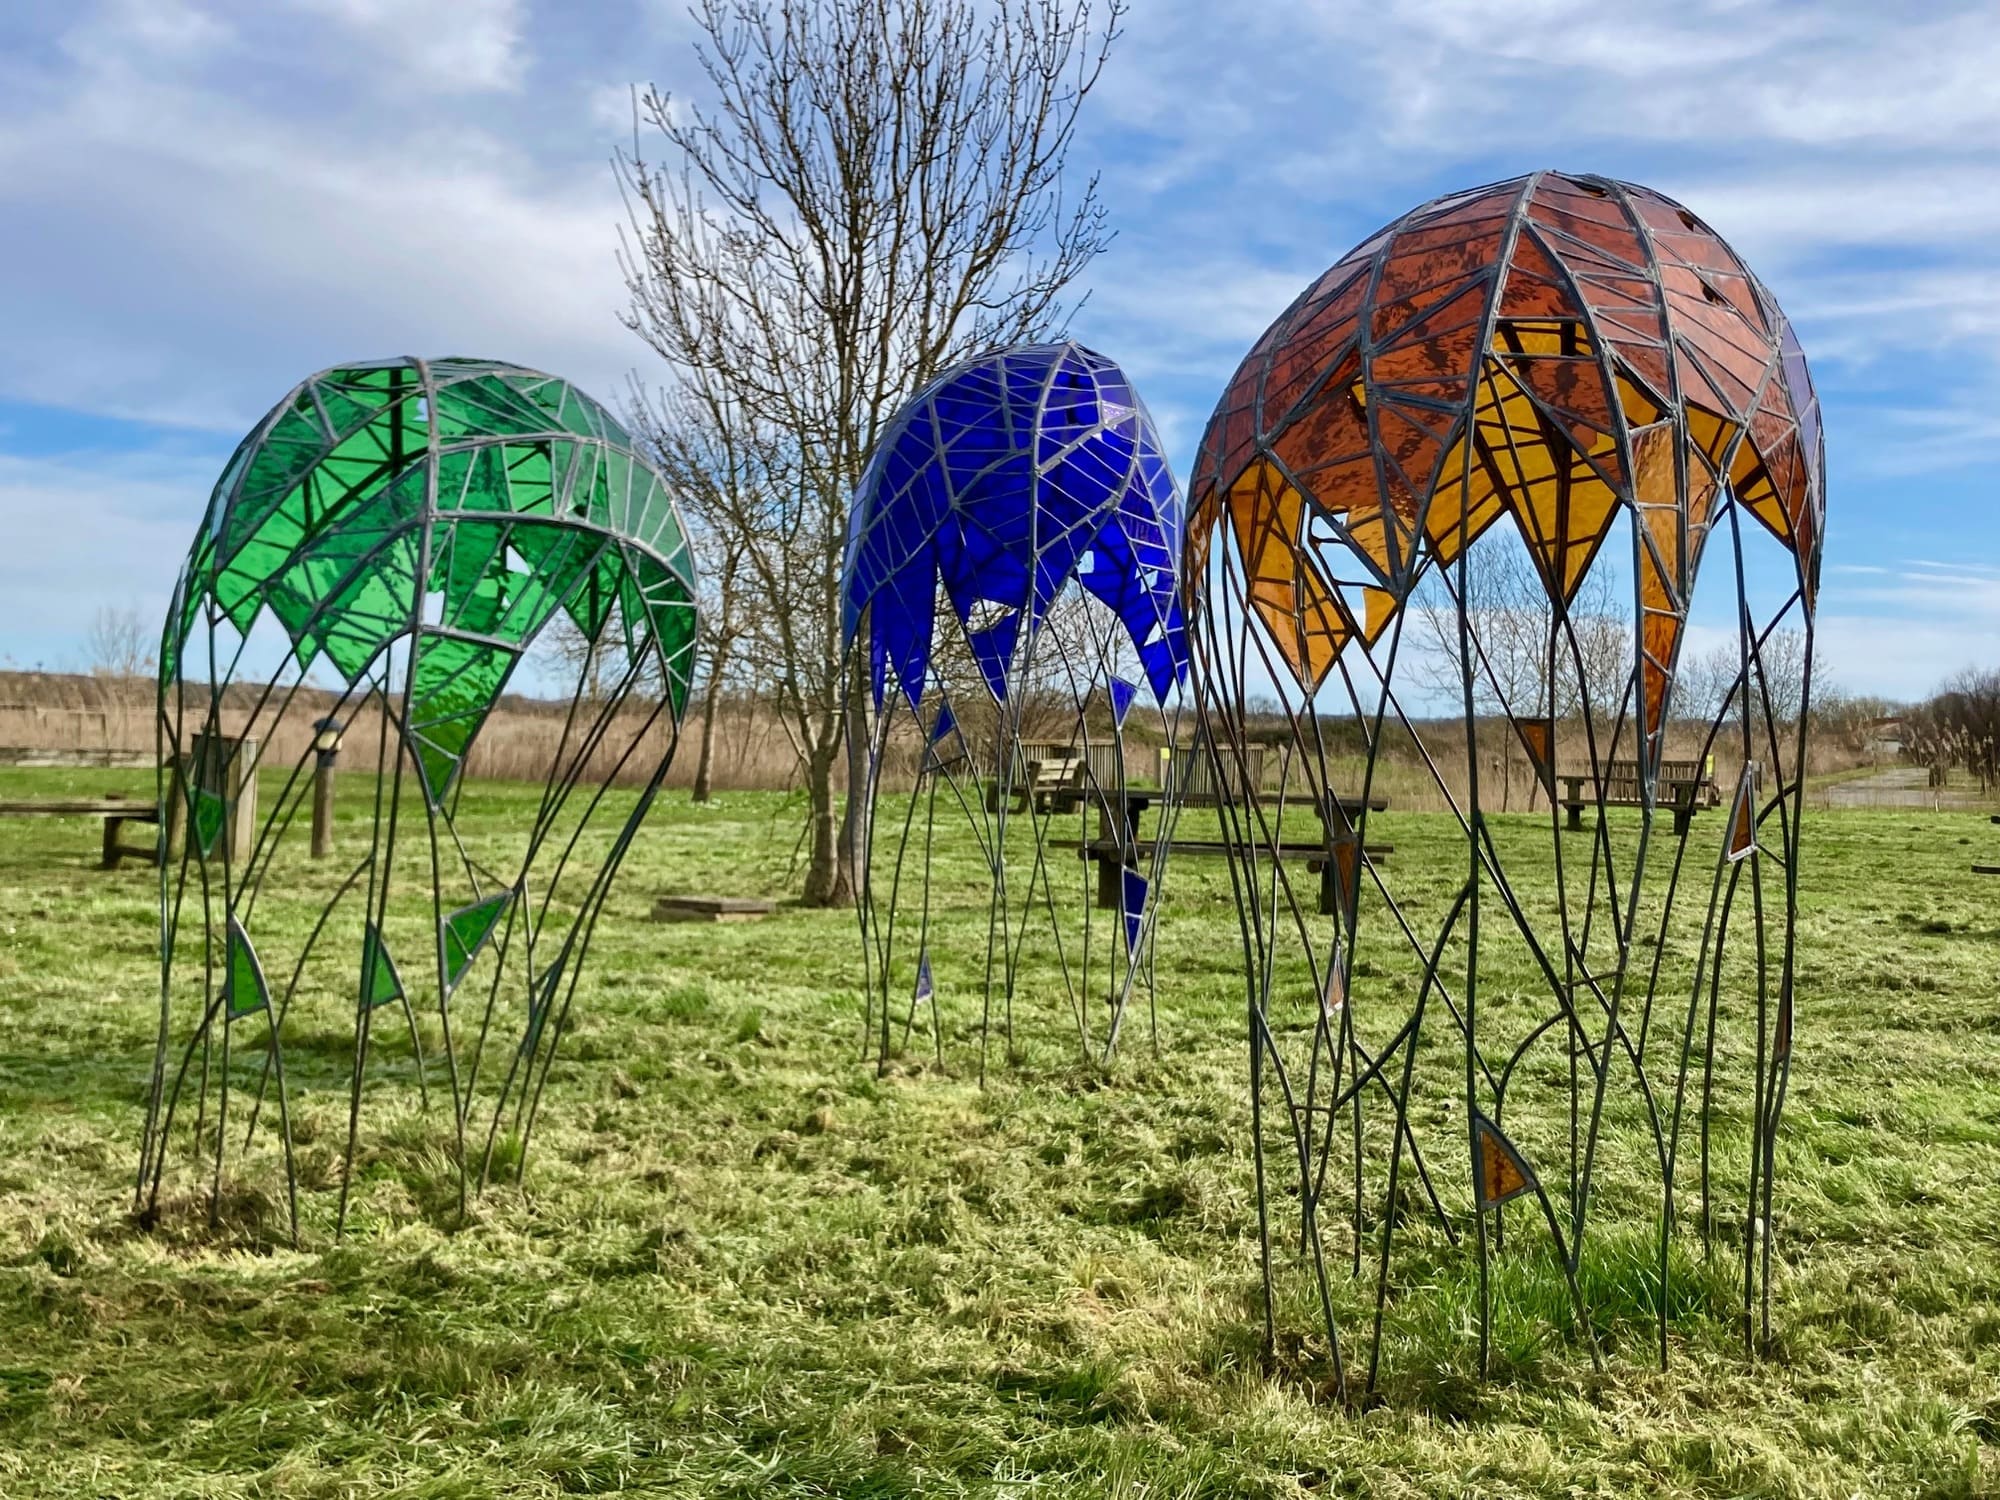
(1497, 1167)
(1743, 816)
(1333, 996)
(1344, 866)
(1539, 736)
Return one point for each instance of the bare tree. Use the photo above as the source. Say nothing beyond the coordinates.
(705, 456)
(121, 645)
(1523, 665)
(590, 663)
(875, 190)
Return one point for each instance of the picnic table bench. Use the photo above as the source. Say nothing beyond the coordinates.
(1684, 786)
(1051, 784)
(116, 813)
(1118, 845)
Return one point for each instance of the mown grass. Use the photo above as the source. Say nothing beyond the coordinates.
(743, 1264)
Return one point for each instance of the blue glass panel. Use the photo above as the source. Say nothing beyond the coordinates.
(1122, 694)
(1135, 906)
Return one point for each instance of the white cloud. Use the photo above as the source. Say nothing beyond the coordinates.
(91, 530)
(194, 252)
(447, 45)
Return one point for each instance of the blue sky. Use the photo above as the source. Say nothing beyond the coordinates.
(206, 200)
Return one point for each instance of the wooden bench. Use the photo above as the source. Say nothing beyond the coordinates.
(1112, 856)
(1053, 785)
(116, 813)
(1329, 856)
(1684, 787)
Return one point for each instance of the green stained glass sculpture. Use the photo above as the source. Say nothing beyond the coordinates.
(382, 553)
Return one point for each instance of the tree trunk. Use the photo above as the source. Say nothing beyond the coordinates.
(824, 886)
(855, 816)
(711, 699)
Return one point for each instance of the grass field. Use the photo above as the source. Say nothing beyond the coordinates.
(743, 1264)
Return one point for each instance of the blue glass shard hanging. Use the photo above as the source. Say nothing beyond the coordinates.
(944, 723)
(1134, 905)
(1015, 542)
(926, 987)
(1122, 693)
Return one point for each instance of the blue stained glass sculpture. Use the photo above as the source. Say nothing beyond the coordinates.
(1006, 478)
(1020, 528)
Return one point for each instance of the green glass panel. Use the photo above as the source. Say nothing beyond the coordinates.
(454, 687)
(346, 404)
(466, 931)
(561, 404)
(295, 443)
(325, 604)
(485, 406)
(380, 983)
(671, 611)
(577, 465)
(530, 478)
(471, 573)
(477, 476)
(243, 987)
(558, 557)
(210, 813)
(611, 499)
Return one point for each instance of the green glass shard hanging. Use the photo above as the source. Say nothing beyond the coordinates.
(244, 991)
(466, 931)
(380, 983)
(211, 812)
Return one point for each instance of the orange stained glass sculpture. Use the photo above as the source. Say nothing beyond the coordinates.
(1557, 349)
(1444, 536)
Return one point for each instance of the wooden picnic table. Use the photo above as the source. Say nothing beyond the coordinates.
(1118, 845)
(1684, 787)
(115, 811)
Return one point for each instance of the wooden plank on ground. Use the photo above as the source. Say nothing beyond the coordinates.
(712, 908)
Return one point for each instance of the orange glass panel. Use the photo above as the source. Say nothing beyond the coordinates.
(1501, 1172)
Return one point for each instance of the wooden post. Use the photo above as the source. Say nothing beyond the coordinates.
(322, 834)
(225, 766)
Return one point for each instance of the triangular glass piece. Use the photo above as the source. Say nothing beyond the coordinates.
(945, 722)
(1333, 998)
(465, 932)
(1135, 906)
(210, 813)
(1539, 737)
(243, 987)
(1122, 693)
(926, 987)
(1743, 816)
(380, 983)
(1499, 1172)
